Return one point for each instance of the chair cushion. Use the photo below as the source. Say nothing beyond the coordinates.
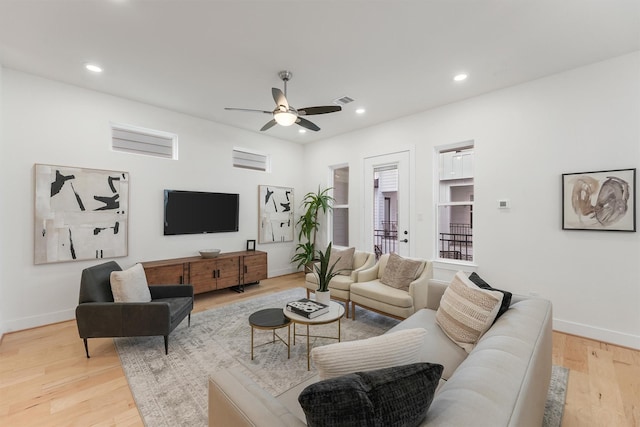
(336, 282)
(383, 351)
(466, 311)
(400, 272)
(395, 396)
(343, 260)
(130, 285)
(506, 299)
(378, 292)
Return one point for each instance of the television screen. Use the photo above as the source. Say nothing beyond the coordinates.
(191, 212)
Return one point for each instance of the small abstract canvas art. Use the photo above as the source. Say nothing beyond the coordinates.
(80, 214)
(602, 200)
(276, 214)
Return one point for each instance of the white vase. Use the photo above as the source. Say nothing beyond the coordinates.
(323, 297)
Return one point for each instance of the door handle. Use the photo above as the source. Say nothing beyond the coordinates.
(405, 241)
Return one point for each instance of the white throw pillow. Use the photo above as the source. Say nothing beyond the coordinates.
(466, 311)
(130, 285)
(383, 351)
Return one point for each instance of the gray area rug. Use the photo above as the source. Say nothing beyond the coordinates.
(171, 390)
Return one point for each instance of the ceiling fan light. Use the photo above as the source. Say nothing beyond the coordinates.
(284, 118)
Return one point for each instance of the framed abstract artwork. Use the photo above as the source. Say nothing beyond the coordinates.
(275, 209)
(80, 214)
(601, 200)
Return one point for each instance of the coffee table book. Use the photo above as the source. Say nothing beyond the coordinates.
(307, 308)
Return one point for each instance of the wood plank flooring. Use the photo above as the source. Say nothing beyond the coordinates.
(46, 380)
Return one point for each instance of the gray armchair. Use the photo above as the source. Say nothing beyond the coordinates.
(98, 316)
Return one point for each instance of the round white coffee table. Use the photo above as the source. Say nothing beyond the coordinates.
(336, 311)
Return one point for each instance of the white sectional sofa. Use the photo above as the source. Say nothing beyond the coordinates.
(503, 381)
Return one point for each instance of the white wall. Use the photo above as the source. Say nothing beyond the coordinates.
(525, 138)
(53, 123)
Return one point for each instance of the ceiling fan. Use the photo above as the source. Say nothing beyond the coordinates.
(286, 115)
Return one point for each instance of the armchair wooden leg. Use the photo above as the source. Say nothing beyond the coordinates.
(166, 344)
(86, 347)
(308, 294)
(189, 320)
(353, 310)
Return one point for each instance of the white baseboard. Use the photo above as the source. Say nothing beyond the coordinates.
(41, 320)
(598, 334)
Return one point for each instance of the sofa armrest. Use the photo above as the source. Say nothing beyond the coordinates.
(235, 400)
(170, 291)
(368, 263)
(435, 292)
(418, 289)
(368, 274)
(118, 319)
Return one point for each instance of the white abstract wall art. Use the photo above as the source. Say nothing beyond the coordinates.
(276, 214)
(601, 200)
(80, 214)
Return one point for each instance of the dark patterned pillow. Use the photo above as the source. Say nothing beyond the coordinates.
(390, 397)
(506, 300)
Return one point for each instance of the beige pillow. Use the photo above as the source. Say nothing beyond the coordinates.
(466, 311)
(130, 285)
(400, 272)
(382, 351)
(345, 260)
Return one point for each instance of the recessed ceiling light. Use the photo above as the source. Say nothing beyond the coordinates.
(460, 77)
(94, 68)
(360, 111)
(302, 131)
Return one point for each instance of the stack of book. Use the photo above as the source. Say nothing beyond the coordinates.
(307, 308)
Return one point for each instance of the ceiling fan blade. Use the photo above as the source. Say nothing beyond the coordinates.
(271, 123)
(279, 97)
(248, 109)
(311, 111)
(307, 124)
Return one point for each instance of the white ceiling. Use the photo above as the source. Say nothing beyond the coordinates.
(394, 58)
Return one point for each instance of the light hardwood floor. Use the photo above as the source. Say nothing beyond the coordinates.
(46, 380)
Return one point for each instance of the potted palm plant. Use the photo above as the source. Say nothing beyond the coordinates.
(308, 226)
(325, 273)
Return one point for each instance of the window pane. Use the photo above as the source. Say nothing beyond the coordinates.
(341, 186)
(455, 232)
(341, 226)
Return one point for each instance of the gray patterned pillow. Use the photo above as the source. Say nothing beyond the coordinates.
(343, 259)
(400, 272)
(390, 397)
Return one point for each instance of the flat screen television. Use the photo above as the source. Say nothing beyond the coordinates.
(194, 212)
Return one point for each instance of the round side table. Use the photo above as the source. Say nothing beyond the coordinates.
(271, 319)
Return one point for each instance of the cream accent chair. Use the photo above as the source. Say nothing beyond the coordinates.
(340, 285)
(372, 294)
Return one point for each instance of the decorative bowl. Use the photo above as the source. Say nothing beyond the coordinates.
(209, 253)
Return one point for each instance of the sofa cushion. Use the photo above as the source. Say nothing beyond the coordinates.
(466, 311)
(130, 285)
(378, 292)
(506, 299)
(343, 260)
(383, 351)
(395, 396)
(400, 272)
(437, 347)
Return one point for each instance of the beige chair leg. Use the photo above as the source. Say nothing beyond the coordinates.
(308, 294)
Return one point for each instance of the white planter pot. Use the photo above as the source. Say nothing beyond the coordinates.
(323, 297)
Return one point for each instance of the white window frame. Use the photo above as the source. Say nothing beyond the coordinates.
(330, 221)
(247, 164)
(438, 204)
